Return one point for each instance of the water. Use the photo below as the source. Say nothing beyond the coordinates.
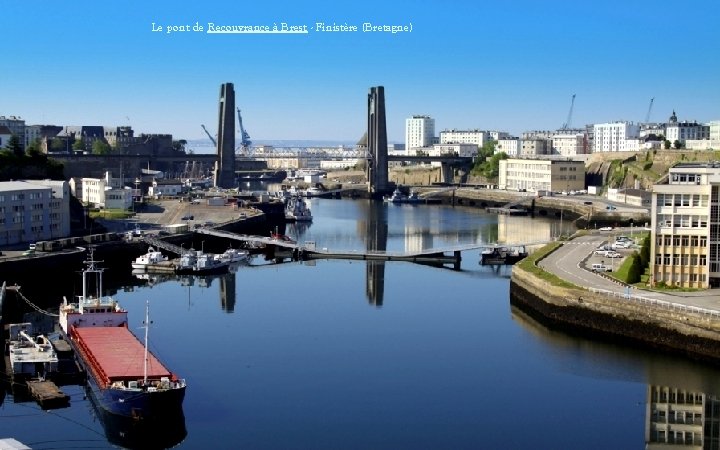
(352, 354)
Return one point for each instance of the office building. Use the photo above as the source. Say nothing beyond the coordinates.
(610, 137)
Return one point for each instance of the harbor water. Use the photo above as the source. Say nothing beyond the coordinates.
(332, 354)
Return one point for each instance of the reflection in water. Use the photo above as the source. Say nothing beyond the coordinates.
(227, 282)
(682, 406)
(515, 230)
(164, 432)
(375, 231)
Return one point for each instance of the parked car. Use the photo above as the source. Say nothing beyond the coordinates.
(610, 208)
(188, 217)
(612, 254)
(588, 202)
(620, 245)
(601, 268)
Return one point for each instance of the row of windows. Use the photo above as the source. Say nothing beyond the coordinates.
(682, 221)
(677, 259)
(682, 200)
(676, 437)
(675, 278)
(685, 241)
(685, 178)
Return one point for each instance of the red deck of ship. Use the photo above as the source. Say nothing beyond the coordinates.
(117, 354)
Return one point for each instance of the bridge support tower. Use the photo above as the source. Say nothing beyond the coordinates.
(377, 166)
(225, 167)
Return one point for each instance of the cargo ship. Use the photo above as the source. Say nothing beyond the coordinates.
(122, 375)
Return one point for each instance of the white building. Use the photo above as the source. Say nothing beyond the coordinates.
(97, 192)
(541, 174)
(476, 137)
(568, 144)
(419, 133)
(167, 188)
(464, 150)
(510, 146)
(119, 198)
(33, 210)
(610, 137)
(497, 135)
(683, 131)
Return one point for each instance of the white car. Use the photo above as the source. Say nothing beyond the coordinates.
(606, 229)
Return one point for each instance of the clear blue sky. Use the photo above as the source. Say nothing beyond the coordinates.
(510, 65)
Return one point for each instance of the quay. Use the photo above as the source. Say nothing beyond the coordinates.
(552, 287)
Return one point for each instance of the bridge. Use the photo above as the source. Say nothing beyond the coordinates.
(309, 250)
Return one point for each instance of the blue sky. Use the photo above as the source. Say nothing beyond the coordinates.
(509, 66)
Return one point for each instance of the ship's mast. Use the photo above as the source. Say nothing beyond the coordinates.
(147, 326)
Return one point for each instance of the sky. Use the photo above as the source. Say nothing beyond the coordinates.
(509, 66)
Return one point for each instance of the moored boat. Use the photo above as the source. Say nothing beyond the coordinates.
(122, 375)
(297, 210)
(151, 258)
(29, 355)
(399, 197)
(502, 255)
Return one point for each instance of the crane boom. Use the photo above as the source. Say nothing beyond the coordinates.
(245, 141)
(568, 122)
(209, 135)
(647, 116)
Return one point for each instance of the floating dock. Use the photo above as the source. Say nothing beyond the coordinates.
(47, 394)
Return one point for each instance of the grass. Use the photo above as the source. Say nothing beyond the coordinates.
(110, 214)
(530, 264)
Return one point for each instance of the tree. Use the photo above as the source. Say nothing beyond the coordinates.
(78, 145)
(58, 145)
(645, 252)
(635, 271)
(14, 145)
(33, 149)
(100, 148)
(179, 146)
(667, 144)
(677, 144)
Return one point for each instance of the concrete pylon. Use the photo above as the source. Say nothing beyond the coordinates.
(225, 168)
(377, 167)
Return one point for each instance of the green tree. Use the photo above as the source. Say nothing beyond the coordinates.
(58, 145)
(100, 148)
(78, 145)
(677, 144)
(491, 167)
(667, 144)
(635, 271)
(33, 149)
(14, 145)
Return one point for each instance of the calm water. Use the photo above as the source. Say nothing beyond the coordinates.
(348, 354)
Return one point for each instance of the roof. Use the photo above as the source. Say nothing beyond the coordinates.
(119, 353)
(7, 186)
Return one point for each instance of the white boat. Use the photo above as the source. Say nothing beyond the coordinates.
(198, 262)
(151, 258)
(297, 210)
(399, 197)
(30, 356)
(233, 255)
(313, 192)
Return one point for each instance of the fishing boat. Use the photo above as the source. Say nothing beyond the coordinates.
(234, 255)
(199, 262)
(399, 197)
(123, 376)
(502, 255)
(297, 210)
(149, 259)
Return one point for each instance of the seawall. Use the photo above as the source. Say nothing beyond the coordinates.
(617, 319)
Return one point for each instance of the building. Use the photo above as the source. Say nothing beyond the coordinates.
(463, 150)
(497, 135)
(569, 144)
(683, 131)
(686, 227)
(16, 126)
(534, 147)
(677, 417)
(476, 137)
(167, 188)
(509, 145)
(542, 174)
(419, 133)
(107, 192)
(635, 197)
(33, 210)
(610, 137)
(5, 135)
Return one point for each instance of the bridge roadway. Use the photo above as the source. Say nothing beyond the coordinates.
(568, 263)
(311, 250)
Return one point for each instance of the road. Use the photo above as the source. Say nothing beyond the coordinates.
(572, 261)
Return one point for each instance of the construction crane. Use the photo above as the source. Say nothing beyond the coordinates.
(209, 135)
(568, 123)
(245, 141)
(647, 116)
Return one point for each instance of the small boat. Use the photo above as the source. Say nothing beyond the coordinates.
(399, 197)
(297, 210)
(198, 262)
(502, 255)
(123, 376)
(313, 192)
(281, 237)
(30, 356)
(151, 258)
(234, 255)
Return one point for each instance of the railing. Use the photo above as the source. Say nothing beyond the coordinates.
(662, 304)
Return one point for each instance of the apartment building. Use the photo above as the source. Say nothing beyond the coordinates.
(33, 210)
(569, 144)
(542, 174)
(510, 146)
(476, 137)
(611, 137)
(419, 133)
(686, 227)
